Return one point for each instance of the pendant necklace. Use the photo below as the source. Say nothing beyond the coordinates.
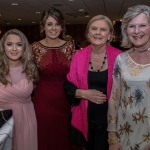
(90, 63)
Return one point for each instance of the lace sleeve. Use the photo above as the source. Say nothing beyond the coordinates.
(33, 48)
(72, 50)
(115, 97)
(69, 49)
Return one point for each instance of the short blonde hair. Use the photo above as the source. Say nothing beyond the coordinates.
(100, 17)
(130, 14)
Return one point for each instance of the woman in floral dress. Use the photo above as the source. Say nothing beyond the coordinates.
(129, 106)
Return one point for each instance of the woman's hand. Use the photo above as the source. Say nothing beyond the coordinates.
(147, 147)
(115, 146)
(95, 96)
(92, 95)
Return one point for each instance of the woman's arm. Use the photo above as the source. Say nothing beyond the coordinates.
(70, 91)
(74, 94)
(113, 108)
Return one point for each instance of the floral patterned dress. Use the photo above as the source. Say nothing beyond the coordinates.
(51, 105)
(129, 105)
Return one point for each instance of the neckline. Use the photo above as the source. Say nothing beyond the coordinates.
(135, 62)
(52, 47)
(98, 72)
(16, 67)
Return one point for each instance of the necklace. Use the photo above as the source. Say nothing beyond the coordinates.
(90, 63)
(141, 51)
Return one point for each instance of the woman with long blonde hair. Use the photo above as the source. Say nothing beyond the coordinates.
(17, 75)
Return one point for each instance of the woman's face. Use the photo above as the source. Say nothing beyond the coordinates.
(13, 48)
(138, 31)
(52, 28)
(99, 33)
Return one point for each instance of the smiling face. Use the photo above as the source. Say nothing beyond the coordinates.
(99, 33)
(138, 31)
(52, 28)
(13, 49)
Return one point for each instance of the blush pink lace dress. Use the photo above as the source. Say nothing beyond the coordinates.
(18, 98)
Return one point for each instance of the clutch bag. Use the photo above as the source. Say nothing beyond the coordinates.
(5, 115)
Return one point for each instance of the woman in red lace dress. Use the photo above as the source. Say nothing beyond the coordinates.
(52, 55)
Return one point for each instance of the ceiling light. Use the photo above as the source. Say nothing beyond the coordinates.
(33, 22)
(81, 9)
(87, 16)
(70, 0)
(19, 19)
(14, 4)
(120, 20)
(38, 12)
(7, 23)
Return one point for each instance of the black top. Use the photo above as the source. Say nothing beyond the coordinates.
(97, 113)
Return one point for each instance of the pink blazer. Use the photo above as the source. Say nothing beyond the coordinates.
(78, 76)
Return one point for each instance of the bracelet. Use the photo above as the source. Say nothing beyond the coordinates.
(113, 140)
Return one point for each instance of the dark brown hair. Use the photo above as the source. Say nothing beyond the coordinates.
(57, 15)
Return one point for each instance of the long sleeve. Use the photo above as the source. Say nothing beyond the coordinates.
(70, 90)
(115, 97)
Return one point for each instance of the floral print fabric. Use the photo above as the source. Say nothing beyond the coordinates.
(129, 105)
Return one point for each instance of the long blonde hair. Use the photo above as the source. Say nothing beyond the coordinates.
(29, 67)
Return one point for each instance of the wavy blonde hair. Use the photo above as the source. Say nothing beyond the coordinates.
(131, 13)
(29, 67)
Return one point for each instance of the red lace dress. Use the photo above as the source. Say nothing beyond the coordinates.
(51, 105)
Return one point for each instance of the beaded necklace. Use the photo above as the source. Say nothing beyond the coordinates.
(90, 63)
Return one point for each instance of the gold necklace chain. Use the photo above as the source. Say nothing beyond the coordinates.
(141, 51)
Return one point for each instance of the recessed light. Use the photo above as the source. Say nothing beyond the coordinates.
(70, 0)
(14, 4)
(19, 19)
(38, 12)
(33, 22)
(81, 9)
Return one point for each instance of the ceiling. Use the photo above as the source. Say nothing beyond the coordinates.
(26, 10)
